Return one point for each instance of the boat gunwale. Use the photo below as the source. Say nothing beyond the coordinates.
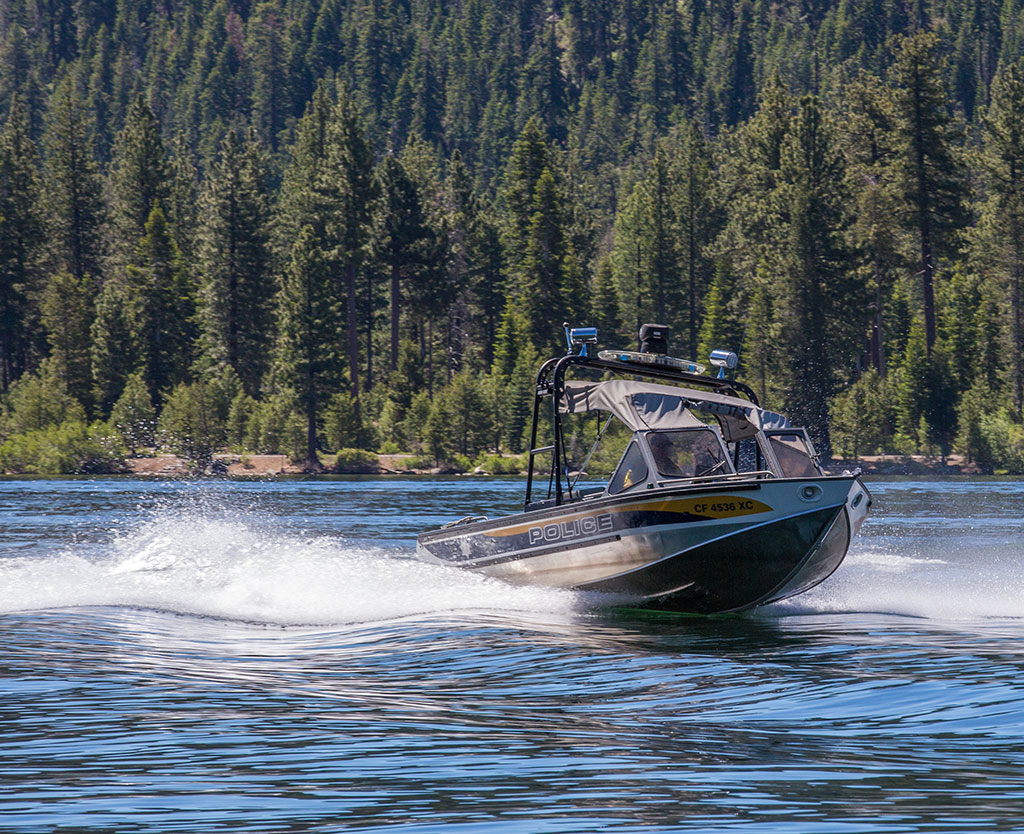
(568, 508)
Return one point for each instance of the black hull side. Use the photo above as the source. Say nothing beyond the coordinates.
(752, 567)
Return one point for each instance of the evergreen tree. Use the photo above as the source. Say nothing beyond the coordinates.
(403, 243)
(138, 179)
(869, 122)
(114, 350)
(74, 187)
(349, 169)
(267, 45)
(822, 311)
(22, 240)
(929, 172)
(133, 414)
(308, 354)
(545, 273)
(67, 314)
(698, 223)
(164, 307)
(236, 288)
(999, 238)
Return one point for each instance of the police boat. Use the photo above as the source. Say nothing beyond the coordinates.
(714, 504)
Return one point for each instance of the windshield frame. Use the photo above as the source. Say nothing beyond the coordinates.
(723, 460)
(809, 449)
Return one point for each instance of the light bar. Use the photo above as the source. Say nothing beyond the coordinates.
(657, 359)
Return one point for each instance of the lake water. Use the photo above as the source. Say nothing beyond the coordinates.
(265, 657)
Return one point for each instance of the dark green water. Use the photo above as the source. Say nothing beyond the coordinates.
(265, 657)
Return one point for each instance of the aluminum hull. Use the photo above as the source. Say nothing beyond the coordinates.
(704, 549)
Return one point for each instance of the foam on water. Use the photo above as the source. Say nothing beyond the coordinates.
(225, 564)
(946, 585)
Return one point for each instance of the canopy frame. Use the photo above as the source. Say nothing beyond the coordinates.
(551, 386)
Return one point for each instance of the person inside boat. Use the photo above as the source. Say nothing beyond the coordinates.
(686, 454)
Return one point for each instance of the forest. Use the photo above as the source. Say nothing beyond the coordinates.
(305, 226)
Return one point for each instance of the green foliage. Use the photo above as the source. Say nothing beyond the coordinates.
(234, 259)
(133, 414)
(862, 417)
(278, 428)
(194, 419)
(355, 462)
(458, 422)
(66, 311)
(342, 426)
(68, 448)
(39, 401)
(1004, 437)
(473, 175)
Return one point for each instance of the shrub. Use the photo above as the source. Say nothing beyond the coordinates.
(38, 401)
(194, 420)
(417, 462)
(356, 462)
(133, 414)
(1005, 438)
(341, 428)
(281, 429)
(71, 448)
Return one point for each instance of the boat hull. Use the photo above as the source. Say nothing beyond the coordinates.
(692, 549)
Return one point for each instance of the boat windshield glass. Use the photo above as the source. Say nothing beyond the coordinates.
(793, 454)
(631, 472)
(687, 453)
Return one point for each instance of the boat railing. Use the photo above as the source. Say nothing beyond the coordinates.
(729, 477)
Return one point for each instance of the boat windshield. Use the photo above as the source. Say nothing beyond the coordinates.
(631, 472)
(793, 454)
(687, 453)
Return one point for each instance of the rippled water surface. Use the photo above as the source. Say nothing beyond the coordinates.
(266, 657)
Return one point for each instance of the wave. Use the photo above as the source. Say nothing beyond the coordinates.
(950, 584)
(235, 566)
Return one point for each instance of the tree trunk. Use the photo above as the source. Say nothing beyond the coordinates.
(924, 226)
(877, 328)
(353, 344)
(395, 307)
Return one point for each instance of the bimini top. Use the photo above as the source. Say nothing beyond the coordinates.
(645, 405)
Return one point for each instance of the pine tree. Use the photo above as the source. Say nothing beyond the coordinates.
(266, 42)
(999, 238)
(697, 222)
(476, 268)
(929, 171)
(235, 282)
(308, 354)
(868, 122)
(22, 241)
(67, 314)
(114, 350)
(543, 274)
(157, 281)
(648, 265)
(138, 179)
(349, 169)
(74, 187)
(822, 311)
(403, 243)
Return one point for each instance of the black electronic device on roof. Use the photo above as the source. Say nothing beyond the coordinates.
(653, 338)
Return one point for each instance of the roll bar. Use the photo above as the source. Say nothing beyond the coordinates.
(551, 383)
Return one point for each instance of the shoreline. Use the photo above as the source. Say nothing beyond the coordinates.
(270, 466)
